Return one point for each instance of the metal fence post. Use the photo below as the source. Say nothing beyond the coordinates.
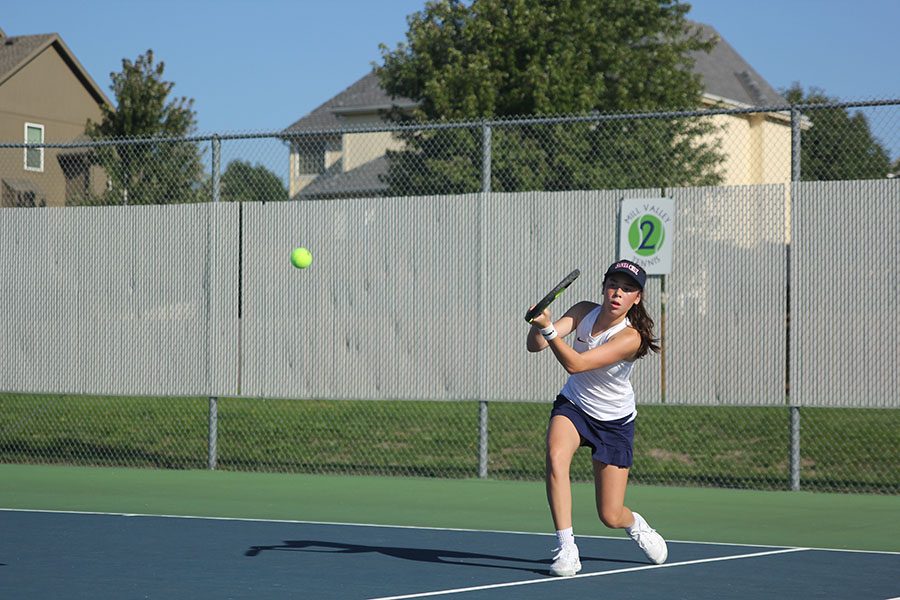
(486, 133)
(213, 426)
(482, 282)
(795, 448)
(213, 432)
(795, 143)
(794, 409)
(216, 168)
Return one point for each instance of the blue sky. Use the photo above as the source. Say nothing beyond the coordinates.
(260, 65)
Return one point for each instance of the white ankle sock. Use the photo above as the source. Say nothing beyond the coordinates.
(565, 537)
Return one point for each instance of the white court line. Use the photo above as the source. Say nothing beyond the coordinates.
(598, 574)
(426, 528)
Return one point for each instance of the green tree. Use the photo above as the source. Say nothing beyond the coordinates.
(504, 58)
(838, 145)
(243, 182)
(144, 170)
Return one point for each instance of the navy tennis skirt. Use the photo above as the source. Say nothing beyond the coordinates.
(611, 442)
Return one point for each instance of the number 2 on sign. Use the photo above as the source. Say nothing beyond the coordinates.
(647, 234)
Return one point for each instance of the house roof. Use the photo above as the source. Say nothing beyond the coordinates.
(727, 76)
(364, 180)
(17, 51)
(366, 95)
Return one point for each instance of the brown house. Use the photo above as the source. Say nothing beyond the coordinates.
(46, 96)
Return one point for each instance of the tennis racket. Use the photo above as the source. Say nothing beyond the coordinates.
(558, 289)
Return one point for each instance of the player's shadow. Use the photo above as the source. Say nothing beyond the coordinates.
(450, 557)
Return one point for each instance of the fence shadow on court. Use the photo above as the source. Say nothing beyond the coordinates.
(450, 557)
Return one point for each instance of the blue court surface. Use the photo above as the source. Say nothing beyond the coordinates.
(88, 555)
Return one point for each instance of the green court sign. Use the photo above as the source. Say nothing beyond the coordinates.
(646, 233)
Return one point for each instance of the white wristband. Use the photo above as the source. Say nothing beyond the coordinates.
(549, 332)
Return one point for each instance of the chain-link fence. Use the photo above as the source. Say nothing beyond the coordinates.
(140, 334)
(371, 157)
(842, 449)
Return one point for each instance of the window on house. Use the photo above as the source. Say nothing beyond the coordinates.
(315, 155)
(34, 157)
(310, 156)
(310, 163)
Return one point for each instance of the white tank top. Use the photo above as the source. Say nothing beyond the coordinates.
(605, 393)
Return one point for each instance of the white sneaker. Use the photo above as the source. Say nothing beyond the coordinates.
(653, 544)
(565, 561)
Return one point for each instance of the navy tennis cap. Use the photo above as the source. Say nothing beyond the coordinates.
(626, 267)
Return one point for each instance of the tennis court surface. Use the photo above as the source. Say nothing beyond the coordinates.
(47, 554)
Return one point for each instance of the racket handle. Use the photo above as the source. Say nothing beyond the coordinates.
(534, 312)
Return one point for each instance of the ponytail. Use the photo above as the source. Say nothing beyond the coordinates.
(642, 322)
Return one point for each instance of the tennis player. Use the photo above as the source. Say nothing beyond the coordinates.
(596, 407)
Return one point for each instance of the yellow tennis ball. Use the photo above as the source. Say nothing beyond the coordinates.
(301, 257)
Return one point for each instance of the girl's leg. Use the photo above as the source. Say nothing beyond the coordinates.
(562, 442)
(610, 482)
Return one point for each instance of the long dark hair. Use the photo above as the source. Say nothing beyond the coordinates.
(640, 320)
